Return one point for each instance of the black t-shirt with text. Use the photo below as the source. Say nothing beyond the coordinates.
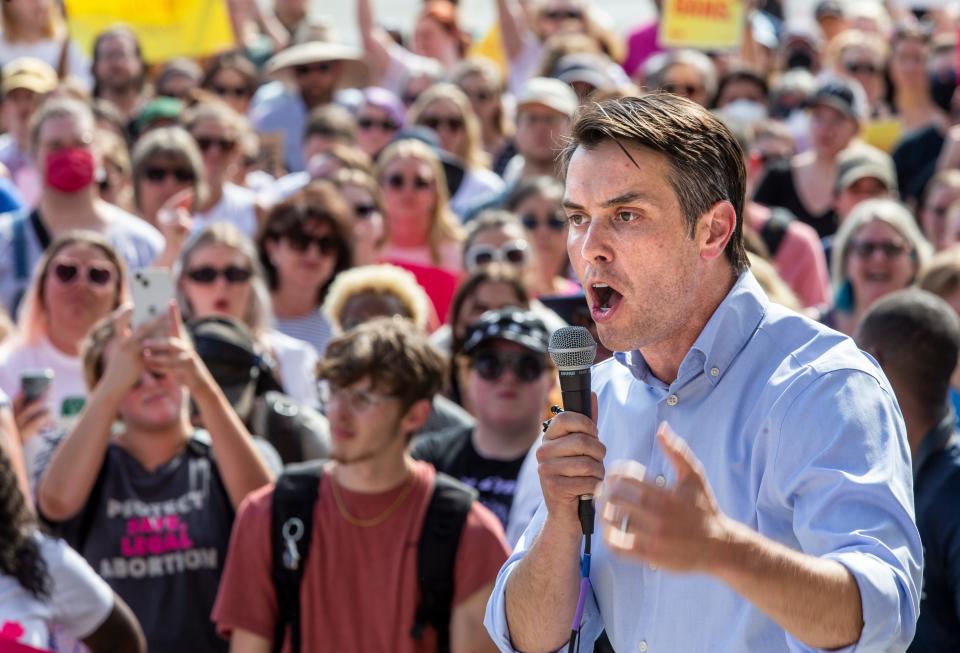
(455, 455)
(159, 538)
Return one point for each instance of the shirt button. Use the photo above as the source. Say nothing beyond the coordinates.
(642, 646)
(660, 480)
(672, 400)
(654, 568)
(714, 371)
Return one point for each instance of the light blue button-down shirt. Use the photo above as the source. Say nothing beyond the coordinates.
(800, 438)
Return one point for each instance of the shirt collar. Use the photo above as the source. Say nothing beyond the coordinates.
(721, 340)
(935, 440)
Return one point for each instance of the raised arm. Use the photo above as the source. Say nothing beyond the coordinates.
(375, 39)
(513, 27)
(240, 465)
(72, 471)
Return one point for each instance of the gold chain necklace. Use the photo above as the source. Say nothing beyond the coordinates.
(373, 521)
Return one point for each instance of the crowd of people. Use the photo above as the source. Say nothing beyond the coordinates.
(329, 439)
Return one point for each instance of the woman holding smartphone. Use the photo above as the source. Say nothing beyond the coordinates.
(79, 280)
(145, 497)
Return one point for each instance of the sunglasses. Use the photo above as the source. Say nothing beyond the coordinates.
(437, 122)
(399, 182)
(864, 68)
(364, 211)
(306, 69)
(235, 91)
(208, 274)
(157, 175)
(369, 123)
(96, 275)
(556, 222)
(683, 90)
(563, 14)
(479, 96)
(300, 242)
(866, 249)
(490, 365)
(515, 253)
(207, 143)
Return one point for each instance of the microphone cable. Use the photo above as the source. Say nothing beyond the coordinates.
(585, 511)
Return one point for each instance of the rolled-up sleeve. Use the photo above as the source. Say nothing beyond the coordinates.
(495, 619)
(843, 467)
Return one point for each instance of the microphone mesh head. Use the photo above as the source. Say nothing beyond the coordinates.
(572, 348)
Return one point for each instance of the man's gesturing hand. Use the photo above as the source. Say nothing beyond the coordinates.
(676, 528)
(571, 464)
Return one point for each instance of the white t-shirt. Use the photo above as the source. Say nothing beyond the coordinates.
(297, 363)
(478, 183)
(237, 206)
(78, 65)
(79, 601)
(67, 384)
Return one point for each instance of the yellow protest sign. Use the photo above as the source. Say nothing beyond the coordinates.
(702, 24)
(166, 28)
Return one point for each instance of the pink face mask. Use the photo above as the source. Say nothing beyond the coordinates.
(70, 169)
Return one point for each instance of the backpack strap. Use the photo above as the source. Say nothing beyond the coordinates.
(775, 229)
(436, 554)
(291, 525)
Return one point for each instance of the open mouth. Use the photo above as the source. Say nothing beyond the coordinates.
(604, 300)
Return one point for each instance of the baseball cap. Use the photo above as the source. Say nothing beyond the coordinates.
(864, 162)
(29, 73)
(837, 94)
(512, 324)
(228, 349)
(826, 8)
(584, 67)
(550, 93)
(160, 108)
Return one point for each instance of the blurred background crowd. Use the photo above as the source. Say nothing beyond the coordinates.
(328, 171)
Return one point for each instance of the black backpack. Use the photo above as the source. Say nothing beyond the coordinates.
(291, 527)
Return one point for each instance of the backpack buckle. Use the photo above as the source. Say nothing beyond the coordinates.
(292, 532)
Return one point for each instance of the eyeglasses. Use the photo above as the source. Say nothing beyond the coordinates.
(364, 211)
(563, 14)
(369, 123)
(157, 174)
(399, 182)
(356, 401)
(556, 222)
(97, 275)
(490, 365)
(866, 249)
(683, 90)
(235, 91)
(207, 143)
(436, 122)
(479, 96)
(320, 67)
(861, 67)
(208, 274)
(515, 253)
(300, 242)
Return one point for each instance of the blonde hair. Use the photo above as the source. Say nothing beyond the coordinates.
(852, 39)
(384, 279)
(444, 225)
(218, 111)
(488, 70)
(472, 151)
(772, 283)
(32, 323)
(259, 311)
(941, 275)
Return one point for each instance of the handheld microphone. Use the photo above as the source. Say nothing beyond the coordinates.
(573, 350)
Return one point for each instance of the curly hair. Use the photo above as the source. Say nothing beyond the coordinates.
(19, 552)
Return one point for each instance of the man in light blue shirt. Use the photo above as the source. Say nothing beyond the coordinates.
(775, 513)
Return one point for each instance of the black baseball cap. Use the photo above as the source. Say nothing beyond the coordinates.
(837, 94)
(512, 324)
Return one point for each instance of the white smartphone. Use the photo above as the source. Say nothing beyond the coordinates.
(152, 292)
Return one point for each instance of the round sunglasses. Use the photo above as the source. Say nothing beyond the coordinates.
(526, 367)
(515, 252)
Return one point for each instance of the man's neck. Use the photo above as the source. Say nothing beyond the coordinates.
(65, 211)
(66, 343)
(125, 98)
(919, 421)
(505, 444)
(664, 357)
(379, 474)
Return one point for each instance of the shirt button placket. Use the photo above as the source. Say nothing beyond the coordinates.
(642, 646)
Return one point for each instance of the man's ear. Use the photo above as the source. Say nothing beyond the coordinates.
(715, 229)
(416, 416)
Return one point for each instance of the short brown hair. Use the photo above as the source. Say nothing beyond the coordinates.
(705, 158)
(398, 359)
